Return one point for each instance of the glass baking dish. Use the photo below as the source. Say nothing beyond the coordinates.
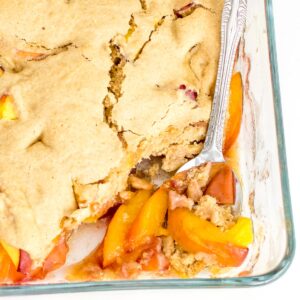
(263, 169)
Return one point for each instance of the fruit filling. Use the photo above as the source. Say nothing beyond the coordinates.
(178, 228)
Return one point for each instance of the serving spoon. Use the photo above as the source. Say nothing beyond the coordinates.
(232, 27)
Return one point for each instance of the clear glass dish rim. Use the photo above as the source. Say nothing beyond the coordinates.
(199, 282)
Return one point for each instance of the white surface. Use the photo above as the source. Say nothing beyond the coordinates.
(288, 46)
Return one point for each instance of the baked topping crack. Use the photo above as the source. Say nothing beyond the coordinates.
(156, 27)
(36, 45)
(189, 9)
(37, 140)
(165, 115)
(132, 27)
(135, 133)
(115, 85)
(143, 4)
(116, 72)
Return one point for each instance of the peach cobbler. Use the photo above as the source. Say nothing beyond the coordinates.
(100, 103)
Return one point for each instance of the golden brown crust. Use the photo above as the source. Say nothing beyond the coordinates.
(86, 115)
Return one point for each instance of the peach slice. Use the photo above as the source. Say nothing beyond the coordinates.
(7, 108)
(235, 110)
(186, 10)
(25, 263)
(55, 259)
(14, 253)
(149, 221)
(222, 186)
(114, 241)
(194, 235)
(8, 270)
(241, 233)
(30, 55)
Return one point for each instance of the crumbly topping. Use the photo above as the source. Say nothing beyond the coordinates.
(200, 175)
(95, 95)
(186, 264)
(139, 183)
(177, 155)
(219, 215)
(177, 200)
(191, 182)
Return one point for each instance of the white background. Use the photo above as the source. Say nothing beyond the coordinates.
(287, 26)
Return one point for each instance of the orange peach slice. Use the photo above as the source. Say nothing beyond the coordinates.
(114, 241)
(235, 109)
(194, 235)
(8, 270)
(14, 253)
(241, 233)
(149, 221)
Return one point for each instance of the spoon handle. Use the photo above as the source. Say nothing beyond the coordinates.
(233, 23)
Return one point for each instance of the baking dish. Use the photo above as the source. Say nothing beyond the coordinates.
(263, 169)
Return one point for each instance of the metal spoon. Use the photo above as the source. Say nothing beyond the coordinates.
(232, 27)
